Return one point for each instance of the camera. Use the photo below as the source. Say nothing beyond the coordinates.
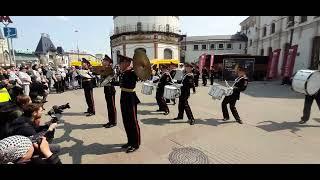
(58, 109)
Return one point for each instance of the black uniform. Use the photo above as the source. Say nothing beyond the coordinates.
(211, 76)
(307, 106)
(205, 75)
(164, 80)
(128, 103)
(187, 84)
(110, 95)
(196, 75)
(240, 85)
(87, 85)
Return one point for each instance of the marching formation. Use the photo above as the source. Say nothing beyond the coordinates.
(170, 83)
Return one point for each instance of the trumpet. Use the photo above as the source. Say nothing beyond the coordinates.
(107, 74)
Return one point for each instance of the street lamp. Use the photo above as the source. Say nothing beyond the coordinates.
(77, 45)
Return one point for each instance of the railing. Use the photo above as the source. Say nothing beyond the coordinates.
(144, 28)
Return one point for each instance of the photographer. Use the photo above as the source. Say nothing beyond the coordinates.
(29, 124)
(20, 150)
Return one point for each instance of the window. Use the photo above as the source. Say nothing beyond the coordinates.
(139, 26)
(229, 46)
(240, 46)
(167, 53)
(303, 19)
(273, 28)
(262, 52)
(264, 31)
(250, 42)
(220, 46)
(211, 46)
(117, 30)
(167, 28)
(195, 47)
(204, 47)
(290, 21)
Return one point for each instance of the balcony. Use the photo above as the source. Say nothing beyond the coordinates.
(144, 28)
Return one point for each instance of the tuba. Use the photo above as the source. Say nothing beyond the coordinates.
(107, 74)
(141, 65)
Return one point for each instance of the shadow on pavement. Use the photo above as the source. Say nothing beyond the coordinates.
(275, 126)
(77, 150)
(317, 119)
(73, 114)
(157, 121)
(147, 104)
(272, 91)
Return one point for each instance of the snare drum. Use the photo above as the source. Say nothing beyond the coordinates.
(171, 92)
(306, 82)
(147, 88)
(217, 91)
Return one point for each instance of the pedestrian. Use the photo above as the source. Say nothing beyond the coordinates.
(25, 79)
(205, 75)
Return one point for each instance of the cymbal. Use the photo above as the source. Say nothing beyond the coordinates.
(141, 65)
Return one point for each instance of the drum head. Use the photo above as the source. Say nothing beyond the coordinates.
(313, 83)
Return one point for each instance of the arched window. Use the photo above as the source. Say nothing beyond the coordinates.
(139, 26)
(167, 53)
(273, 28)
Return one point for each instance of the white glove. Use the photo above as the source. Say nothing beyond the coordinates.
(52, 126)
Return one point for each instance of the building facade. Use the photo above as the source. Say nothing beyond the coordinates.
(158, 36)
(4, 51)
(195, 46)
(26, 57)
(268, 33)
(46, 51)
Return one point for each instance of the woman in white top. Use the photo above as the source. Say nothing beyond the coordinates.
(25, 79)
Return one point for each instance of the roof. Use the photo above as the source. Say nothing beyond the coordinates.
(1, 35)
(235, 37)
(45, 45)
(206, 38)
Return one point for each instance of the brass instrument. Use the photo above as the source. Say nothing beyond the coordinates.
(141, 65)
(107, 74)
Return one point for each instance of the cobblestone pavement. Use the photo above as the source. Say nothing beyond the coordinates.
(270, 133)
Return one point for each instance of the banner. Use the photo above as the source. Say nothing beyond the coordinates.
(273, 64)
(288, 68)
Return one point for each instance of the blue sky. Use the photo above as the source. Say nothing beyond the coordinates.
(93, 31)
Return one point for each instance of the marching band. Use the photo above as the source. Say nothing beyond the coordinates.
(168, 87)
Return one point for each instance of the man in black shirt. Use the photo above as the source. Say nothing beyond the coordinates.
(240, 85)
(187, 84)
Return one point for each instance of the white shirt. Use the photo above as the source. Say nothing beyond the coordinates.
(24, 77)
(37, 74)
(62, 71)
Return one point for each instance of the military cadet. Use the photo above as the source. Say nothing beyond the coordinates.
(240, 85)
(196, 75)
(173, 72)
(110, 94)
(128, 103)
(88, 87)
(212, 72)
(187, 84)
(307, 106)
(205, 75)
(164, 80)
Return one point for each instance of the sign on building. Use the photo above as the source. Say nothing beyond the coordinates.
(10, 32)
